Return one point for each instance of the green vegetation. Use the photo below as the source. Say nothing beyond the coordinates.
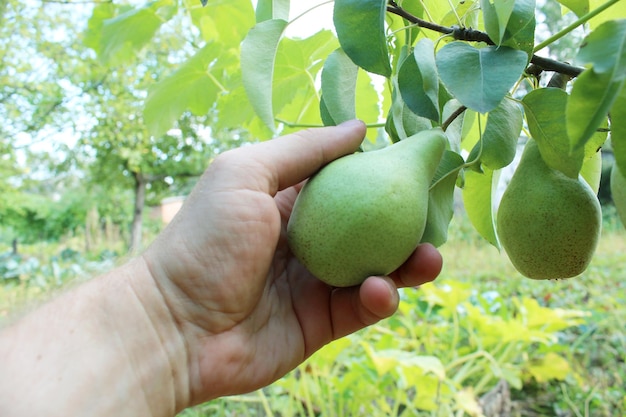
(560, 345)
(106, 108)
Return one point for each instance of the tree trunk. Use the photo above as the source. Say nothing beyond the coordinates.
(140, 199)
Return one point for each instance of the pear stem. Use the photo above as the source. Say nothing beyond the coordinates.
(452, 117)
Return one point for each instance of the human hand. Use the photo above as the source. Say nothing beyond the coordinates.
(245, 307)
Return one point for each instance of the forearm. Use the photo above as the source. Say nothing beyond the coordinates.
(108, 347)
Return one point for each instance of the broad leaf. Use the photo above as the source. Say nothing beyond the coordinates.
(190, 87)
(360, 27)
(617, 9)
(225, 22)
(272, 9)
(591, 98)
(325, 114)
(339, 86)
(402, 122)
(544, 112)
(258, 52)
(368, 104)
(297, 65)
(520, 30)
(128, 32)
(478, 201)
(441, 199)
(605, 49)
(579, 7)
(479, 78)
(418, 81)
(498, 143)
(618, 130)
(396, 24)
(496, 16)
(591, 171)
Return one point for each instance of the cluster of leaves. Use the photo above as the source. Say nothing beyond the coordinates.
(483, 86)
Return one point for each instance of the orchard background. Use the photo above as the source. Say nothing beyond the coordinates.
(108, 108)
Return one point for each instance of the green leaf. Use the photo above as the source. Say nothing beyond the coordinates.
(339, 86)
(225, 22)
(551, 366)
(605, 49)
(325, 114)
(617, 9)
(128, 32)
(520, 30)
(360, 27)
(93, 33)
(490, 20)
(618, 130)
(258, 53)
(368, 106)
(479, 78)
(591, 171)
(418, 81)
(297, 66)
(591, 98)
(402, 122)
(272, 9)
(496, 16)
(579, 7)
(544, 112)
(478, 201)
(190, 87)
(441, 199)
(499, 140)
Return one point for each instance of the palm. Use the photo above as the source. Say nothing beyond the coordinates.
(267, 317)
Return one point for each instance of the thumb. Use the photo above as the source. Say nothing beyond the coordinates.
(285, 161)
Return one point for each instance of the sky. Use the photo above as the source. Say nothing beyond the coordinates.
(313, 21)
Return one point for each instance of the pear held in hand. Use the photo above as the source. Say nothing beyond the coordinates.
(548, 223)
(364, 214)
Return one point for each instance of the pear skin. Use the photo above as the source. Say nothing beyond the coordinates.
(365, 213)
(548, 223)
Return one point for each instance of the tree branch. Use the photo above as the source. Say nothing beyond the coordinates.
(472, 35)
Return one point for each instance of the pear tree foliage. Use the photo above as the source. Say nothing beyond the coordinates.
(480, 69)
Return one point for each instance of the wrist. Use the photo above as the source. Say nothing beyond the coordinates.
(108, 343)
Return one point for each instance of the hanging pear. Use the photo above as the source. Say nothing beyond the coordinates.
(365, 213)
(548, 223)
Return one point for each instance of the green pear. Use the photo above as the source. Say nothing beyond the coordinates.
(618, 192)
(365, 213)
(548, 223)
